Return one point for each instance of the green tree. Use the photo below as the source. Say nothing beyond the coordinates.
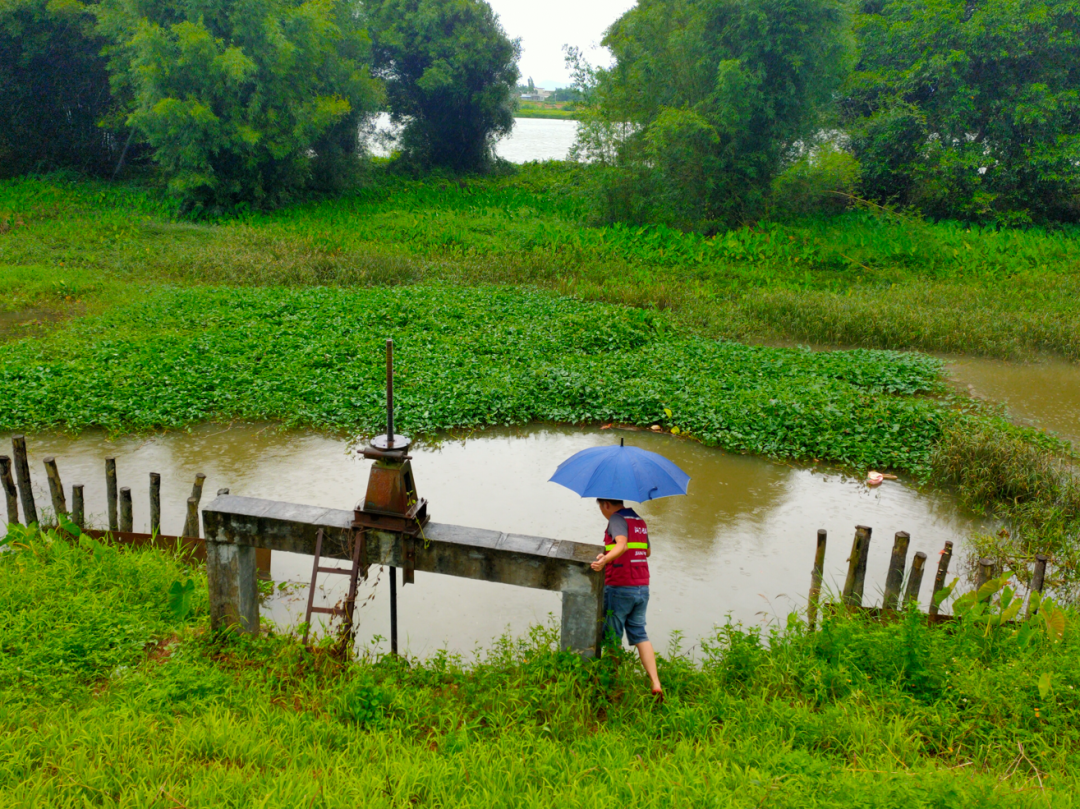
(54, 90)
(450, 70)
(713, 95)
(243, 101)
(969, 108)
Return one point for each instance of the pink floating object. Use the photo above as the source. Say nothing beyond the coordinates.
(874, 478)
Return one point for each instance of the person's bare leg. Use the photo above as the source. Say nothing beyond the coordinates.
(648, 660)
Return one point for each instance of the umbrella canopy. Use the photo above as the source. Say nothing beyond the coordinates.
(621, 473)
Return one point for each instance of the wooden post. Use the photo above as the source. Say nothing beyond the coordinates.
(110, 492)
(191, 524)
(22, 474)
(894, 580)
(856, 576)
(1037, 579)
(78, 509)
(56, 488)
(126, 518)
(155, 503)
(815, 578)
(918, 564)
(9, 490)
(984, 574)
(939, 579)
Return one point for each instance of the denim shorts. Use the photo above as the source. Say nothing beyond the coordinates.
(624, 611)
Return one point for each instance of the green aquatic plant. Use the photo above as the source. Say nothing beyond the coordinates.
(466, 358)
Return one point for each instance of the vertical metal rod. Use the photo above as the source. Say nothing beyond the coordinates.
(10, 491)
(78, 509)
(22, 474)
(815, 578)
(127, 519)
(390, 393)
(393, 610)
(56, 488)
(1037, 579)
(155, 503)
(939, 579)
(110, 492)
(895, 577)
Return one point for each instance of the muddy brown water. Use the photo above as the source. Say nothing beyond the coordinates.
(742, 544)
(1041, 394)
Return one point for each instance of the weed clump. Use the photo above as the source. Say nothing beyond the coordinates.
(1027, 479)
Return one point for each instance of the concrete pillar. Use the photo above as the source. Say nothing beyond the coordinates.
(231, 572)
(582, 622)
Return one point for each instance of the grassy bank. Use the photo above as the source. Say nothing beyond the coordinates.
(859, 279)
(113, 694)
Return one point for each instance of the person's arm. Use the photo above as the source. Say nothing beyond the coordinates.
(604, 558)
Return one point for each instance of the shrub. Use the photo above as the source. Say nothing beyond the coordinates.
(715, 94)
(242, 101)
(824, 179)
(450, 71)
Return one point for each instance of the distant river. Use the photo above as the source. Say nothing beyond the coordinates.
(532, 139)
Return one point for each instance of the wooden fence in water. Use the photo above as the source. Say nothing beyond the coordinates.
(16, 481)
(896, 595)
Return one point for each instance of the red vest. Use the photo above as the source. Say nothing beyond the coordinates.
(632, 568)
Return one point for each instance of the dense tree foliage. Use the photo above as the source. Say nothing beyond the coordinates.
(450, 72)
(716, 93)
(54, 90)
(243, 101)
(969, 108)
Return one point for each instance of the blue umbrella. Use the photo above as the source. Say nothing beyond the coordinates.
(621, 473)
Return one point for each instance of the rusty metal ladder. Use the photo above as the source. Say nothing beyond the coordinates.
(353, 572)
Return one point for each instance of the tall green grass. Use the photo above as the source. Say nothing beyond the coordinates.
(856, 714)
(861, 278)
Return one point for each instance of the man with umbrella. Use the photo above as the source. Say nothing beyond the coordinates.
(625, 562)
(614, 474)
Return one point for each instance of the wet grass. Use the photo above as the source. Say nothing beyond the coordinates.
(865, 278)
(122, 701)
(1021, 477)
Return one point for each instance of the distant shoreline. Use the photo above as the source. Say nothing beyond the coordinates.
(533, 112)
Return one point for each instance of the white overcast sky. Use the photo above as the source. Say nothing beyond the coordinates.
(544, 27)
